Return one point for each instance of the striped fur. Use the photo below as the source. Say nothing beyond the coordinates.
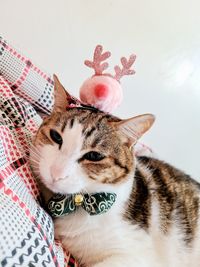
(177, 195)
(155, 220)
(99, 136)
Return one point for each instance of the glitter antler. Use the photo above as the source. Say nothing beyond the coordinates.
(97, 59)
(126, 67)
(103, 90)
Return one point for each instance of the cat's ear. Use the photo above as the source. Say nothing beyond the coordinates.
(132, 129)
(60, 95)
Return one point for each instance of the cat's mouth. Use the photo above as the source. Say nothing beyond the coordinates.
(64, 186)
(59, 179)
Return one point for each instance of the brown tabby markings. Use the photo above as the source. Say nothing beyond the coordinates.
(176, 193)
(98, 136)
(63, 126)
(139, 205)
(43, 137)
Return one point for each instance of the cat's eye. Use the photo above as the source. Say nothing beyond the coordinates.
(56, 137)
(93, 156)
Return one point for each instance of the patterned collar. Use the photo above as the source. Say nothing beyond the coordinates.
(94, 204)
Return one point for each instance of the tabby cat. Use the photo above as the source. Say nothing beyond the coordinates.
(154, 218)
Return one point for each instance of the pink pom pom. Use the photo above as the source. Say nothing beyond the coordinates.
(102, 92)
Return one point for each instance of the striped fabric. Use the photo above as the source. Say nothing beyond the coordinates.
(26, 230)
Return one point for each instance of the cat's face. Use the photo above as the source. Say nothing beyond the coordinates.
(84, 150)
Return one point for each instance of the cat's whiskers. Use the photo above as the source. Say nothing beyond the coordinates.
(32, 145)
(33, 148)
(26, 152)
(34, 161)
(34, 154)
(36, 167)
(33, 151)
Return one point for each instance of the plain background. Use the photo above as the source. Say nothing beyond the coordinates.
(165, 36)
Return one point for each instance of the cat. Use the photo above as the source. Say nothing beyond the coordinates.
(154, 221)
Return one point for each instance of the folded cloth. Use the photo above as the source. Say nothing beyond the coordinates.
(26, 230)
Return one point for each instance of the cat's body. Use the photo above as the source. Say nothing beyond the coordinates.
(155, 219)
(159, 225)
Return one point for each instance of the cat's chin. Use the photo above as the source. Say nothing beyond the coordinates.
(63, 189)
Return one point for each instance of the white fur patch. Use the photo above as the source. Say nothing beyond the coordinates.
(59, 169)
(107, 240)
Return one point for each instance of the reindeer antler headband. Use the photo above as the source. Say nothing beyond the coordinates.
(99, 67)
(103, 90)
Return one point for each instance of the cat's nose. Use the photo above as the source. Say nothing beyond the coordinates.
(56, 174)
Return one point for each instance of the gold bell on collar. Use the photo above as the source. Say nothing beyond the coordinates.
(78, 199)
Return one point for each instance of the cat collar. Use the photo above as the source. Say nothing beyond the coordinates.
(94, 204)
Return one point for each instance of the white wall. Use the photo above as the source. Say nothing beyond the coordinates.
(59, 35)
